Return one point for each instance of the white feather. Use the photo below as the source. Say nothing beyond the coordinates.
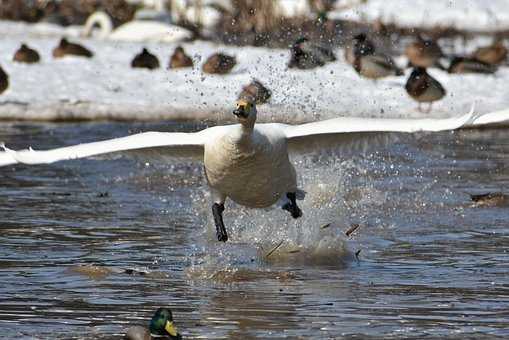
(352, 124)
(133, 142)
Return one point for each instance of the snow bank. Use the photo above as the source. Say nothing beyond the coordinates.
(105, 87)
(472, 15)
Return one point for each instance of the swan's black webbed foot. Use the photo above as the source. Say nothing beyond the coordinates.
(292, 205)
(217, 211)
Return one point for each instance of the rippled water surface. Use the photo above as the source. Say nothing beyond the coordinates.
(89, 247)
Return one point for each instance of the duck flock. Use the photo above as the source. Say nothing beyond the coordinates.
(360, 53)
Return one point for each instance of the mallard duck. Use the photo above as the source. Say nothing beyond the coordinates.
(424, 88)
(180, 59)
(360, 45)
(26, 55)
(470, 65)
(256, 92)
(4, 80)
(376, 66)
(145, 59)
(66, 48)
(219, 63)
(305, 55)
(492, 55)
(161, 326)
(423, 53)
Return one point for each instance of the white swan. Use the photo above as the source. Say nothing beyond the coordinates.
(137, 30)
(246, 162)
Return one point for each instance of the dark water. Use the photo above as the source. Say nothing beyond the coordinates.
(89, 247)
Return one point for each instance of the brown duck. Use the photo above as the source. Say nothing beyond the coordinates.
(255, 92)
(469, 65)
(423, 53)
(492, 55)
(145, 59)
(26, 55)
(66, 48)
(376, 66)
(219, 63)
(4, 80)
(423, 88)
(180, 59)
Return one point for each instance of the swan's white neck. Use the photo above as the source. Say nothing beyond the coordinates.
(98, 19)
(243, 134)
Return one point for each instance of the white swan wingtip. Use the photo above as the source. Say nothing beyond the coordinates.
(472, 116)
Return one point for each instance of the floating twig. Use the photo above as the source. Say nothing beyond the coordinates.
(357, 253)
(352, 229)
(274, 249)
(325, 226)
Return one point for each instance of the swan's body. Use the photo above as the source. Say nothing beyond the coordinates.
(246, 162)
(136, 30)
(253, 169)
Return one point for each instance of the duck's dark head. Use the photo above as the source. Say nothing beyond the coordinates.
(162, 325)
(361, 37)
(299, 42)
(418, 72)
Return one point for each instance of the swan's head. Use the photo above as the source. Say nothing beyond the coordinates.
(245, 112)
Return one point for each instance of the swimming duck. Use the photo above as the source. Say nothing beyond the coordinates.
(424, 88)
(66, 48)
(246, 162)
(161, 326)
(492, 55)
(145, 59)
(424, 53)
(26, 55)
(305, 55)
(219, 63)
(256, 92)
(180, 59)
(361, 45)
(4, 80)
(470, 65)
(491, 199)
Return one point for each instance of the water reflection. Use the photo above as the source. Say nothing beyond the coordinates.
(91, 246)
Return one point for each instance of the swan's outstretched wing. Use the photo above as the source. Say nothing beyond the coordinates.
(172, 140)
(360, 134)
(353, 124)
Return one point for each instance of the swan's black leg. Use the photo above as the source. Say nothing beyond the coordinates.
(292, 205)
(217, 211)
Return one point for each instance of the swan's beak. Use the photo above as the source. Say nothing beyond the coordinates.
(240, 112)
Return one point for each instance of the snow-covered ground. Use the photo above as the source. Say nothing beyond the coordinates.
(473, 15)
(105, 87)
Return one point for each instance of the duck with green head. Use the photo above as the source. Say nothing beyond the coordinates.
(161, 326)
